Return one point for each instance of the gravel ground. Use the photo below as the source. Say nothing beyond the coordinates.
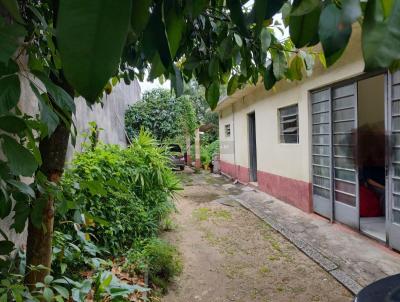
(231, 255)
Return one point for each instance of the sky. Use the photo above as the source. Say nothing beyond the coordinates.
(145, 85)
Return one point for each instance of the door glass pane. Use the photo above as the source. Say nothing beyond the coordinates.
(321, 139)
(396, 123)
(343, 103)
(344, 162)
(343, 151)
(396, 216)
(321, 129)
(343, 126)
(396, 186)
(321, 171)
(321, 160)
(320, 118)
(322, 182)
(396, 201)
(343, 139)
(347, 199)
(318, 107)
(396, 91)
(345, 187)
(321, 192)
(323, 150)
(345, 175)
(346, 114)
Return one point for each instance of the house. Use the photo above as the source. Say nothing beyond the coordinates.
(300, 142)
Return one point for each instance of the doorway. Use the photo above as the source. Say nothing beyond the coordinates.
(371, 160)
(251, 120)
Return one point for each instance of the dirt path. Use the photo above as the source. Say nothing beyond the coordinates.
(230, 255)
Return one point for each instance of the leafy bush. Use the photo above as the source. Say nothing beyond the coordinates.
(159, 259)
(167, 117)
(116, 196)
(208, 151)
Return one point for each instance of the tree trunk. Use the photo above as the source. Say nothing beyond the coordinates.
(39, 244)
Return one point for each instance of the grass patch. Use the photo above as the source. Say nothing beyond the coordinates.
(264, 270)
(203, 214)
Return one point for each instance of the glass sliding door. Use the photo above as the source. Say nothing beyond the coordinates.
(322, 152)
(345, 179)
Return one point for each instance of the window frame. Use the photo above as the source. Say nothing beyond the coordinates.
(227, 130)
(291, 118)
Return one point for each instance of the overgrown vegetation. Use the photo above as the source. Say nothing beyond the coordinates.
(113, 203)
(168, 118)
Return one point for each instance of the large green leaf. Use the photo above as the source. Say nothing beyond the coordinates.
(335, 41)
(12, 124)
(5, 205)
(6, 247)
(233, 84)
(265, 37)
(91, 35)
(156, 28)
(140, 15)
(269, 78)
(10, 35)
(10, 92)
(60, 97)
(47, 115)
(304, 29)
(22, 187)
(304, 7)
(13, 9)
(8, 68)
(177, 81)
(174, 25)
(212, 94)
(279, 64)
(22, 211)
(20, 160)
(380, 36)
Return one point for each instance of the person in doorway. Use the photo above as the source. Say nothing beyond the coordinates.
(371, 161)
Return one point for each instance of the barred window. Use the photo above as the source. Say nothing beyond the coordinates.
(289, 124)
(227, 130)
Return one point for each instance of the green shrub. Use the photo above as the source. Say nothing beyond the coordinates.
(116, 195)
(159, 259)
(208, 151)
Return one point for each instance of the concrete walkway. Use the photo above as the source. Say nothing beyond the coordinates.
(353, 259)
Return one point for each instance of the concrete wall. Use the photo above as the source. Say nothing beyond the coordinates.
(282, 167)
(110, 117)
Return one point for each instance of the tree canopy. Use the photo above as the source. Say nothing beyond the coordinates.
(167, 117)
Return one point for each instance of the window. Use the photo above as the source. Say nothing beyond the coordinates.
(289, 124)
(227, 130)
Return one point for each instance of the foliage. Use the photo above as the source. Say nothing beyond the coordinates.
(164, 115)
(203, 113)
(207, 152)
(158, 258)
(117, 195)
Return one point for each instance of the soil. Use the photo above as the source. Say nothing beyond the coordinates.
(231, 255)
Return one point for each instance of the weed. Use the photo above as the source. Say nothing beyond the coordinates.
(159, 259)
(203, 214)
(264, 270)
